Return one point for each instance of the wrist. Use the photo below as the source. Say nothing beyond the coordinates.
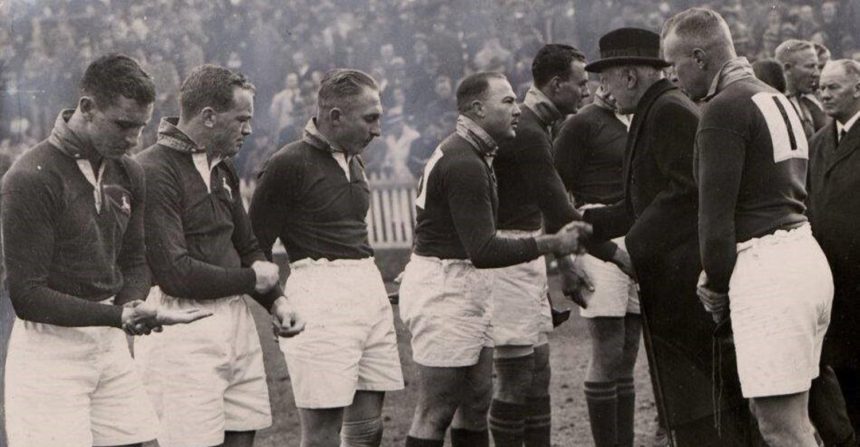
(548, 243)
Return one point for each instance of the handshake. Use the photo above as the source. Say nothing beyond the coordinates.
(567, 240)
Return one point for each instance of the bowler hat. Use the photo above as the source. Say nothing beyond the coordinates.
(628, 46)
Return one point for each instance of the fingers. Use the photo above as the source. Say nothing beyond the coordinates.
(167, 317)
(289, 327)
(579, 299)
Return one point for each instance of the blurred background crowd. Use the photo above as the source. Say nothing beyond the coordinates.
(416, 49)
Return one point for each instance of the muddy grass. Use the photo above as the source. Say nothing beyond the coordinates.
(570, 345)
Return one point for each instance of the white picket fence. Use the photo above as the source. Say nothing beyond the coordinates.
(391, 218)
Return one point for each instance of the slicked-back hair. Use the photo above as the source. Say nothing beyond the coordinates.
(114, 75)
(210, 86)
(785, 51)
(475, 87)
(700, 27)
(341, 85)
(552, 60)
(851, 67)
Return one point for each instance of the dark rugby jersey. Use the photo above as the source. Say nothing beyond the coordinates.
(751, 161)
(304, 198)
(63, 254)
(199, 240)
(589, 155)
(529, 186)
(457, 205)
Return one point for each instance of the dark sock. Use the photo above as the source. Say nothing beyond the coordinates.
(626, 392)
(418, 442)
(538, 422)
(506, 423)
(602, 401)
(460, 437)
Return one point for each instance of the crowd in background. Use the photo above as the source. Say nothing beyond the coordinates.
(416, 49)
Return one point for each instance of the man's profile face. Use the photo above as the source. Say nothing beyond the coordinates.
(359, 122)
(115, 129)
(501, 113)
(691, 78)
(803, 72)
(233, 125)
(614, 82)
(572, 90)
(840, 92)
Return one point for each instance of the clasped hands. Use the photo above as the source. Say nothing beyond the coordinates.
(143, 318)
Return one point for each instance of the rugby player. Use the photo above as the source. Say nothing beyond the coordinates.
(207, 380)
(761, 265)
(532, 195)
(313, 195)
(73, 220)
(445, 294)
(589, 155)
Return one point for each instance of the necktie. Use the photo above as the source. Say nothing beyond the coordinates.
(842, 134)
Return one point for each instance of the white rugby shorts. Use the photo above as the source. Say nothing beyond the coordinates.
(206, 377)
(614, 292)
(780, 295)
(74, 386)
(521, 311)
(446, 305)
(349, 342)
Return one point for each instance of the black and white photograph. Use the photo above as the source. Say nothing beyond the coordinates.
(428, 223)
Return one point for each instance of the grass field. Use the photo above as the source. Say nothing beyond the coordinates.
(570, 346)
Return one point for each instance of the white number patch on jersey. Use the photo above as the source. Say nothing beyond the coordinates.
(421, 200)
(786, 130)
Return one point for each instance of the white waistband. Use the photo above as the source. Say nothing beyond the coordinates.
(308, 262)
(777, 236)
(435, 260)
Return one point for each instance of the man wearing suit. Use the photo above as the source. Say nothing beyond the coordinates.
(833, 206)
(659, 217)
(799, 60)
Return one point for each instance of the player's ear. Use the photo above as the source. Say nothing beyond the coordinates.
(208, 116)
(700, 57)
(87, 106)
(334, 115)
(477, 107)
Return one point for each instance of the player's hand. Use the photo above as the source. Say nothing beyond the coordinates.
(571, 236)
(143, 318)
(286, 321)
(135, 319)
(622, 260)
(716, 303)
(267, 275)
(574, 280)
